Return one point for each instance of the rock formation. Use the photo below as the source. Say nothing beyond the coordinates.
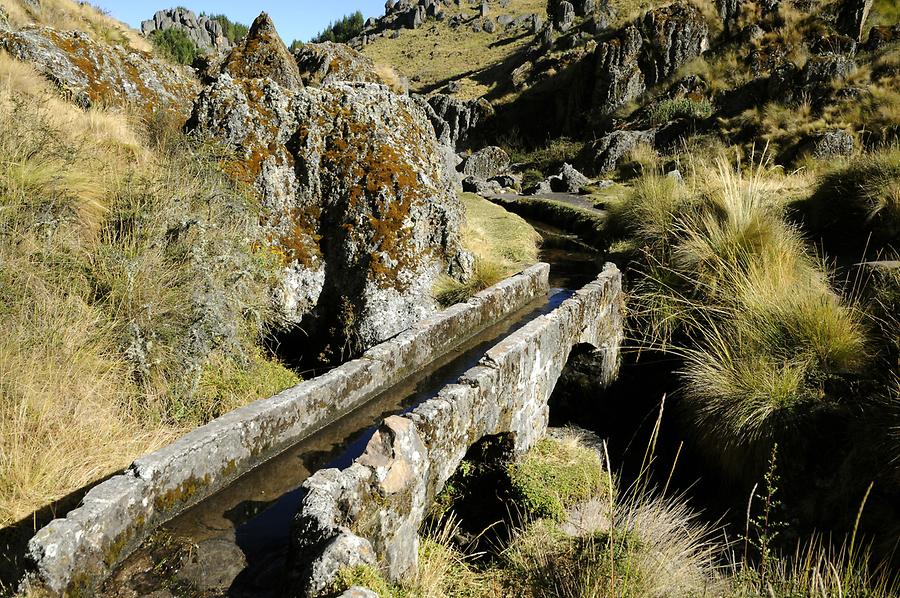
(328, 62)
(207, 34)
(350, 179)
(92, 72)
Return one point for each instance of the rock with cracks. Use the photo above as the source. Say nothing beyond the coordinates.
(351, 183)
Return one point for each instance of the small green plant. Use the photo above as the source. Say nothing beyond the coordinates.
(175, 45)
(554, 475)
(668, 110)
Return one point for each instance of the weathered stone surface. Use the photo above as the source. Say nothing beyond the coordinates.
(213, 564)
(328, 62)
(472, 184)
(453, 119)
(263, 55)
(120, 513)
(831, 144)
(352, 183)
(92, 72)
(611, 148)
(486, 163)
(382, 498)
(565, 16)
(207, 34)
(568, 180)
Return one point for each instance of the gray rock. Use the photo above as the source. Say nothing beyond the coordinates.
(565, 16)
(832, 144)
(568, 180)
(729, 12)
(454, 120)
(611, 148)
(675, 175)
(486, 163)
(484, 10)
(320, 64)
(358, 592)
(505, 20)
(213, 564)
(508, 181)
(92, 72)
(352, 163)
(478, 186)
(537, 23)
(489, 26)
(585, 8)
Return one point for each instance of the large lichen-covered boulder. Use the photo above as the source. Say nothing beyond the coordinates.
(350, 179)
(96, 73)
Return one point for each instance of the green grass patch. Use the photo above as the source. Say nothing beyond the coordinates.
(668, 110)
(554, 475)
(501, 242)
(175, 45)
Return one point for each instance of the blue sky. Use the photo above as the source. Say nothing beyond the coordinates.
(297, 19)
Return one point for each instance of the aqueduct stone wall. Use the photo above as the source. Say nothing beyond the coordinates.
(371, 512)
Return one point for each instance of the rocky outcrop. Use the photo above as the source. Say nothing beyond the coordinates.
(486, 163)
(351, 181)
(327, 62)
(455, 120)
(566, 91)
(374, 508)
(95, 73)
(569, 180)
(207, 34)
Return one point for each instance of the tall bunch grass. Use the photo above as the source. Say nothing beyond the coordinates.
(731, 287)
(132, 293)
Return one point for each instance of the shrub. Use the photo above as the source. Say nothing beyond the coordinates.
(342, 30)
(670, 109)
(175, 45)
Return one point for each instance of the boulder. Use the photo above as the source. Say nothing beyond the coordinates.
(611, 148)
(327, 62)
(831, 144)
(92, 72)
(565, 16)
(568, 180)
(263, 55)
(350, 179)
(213, 564)
(489, 26)
(453, 119)
(472, 184)
(358, 592)
(486, 163)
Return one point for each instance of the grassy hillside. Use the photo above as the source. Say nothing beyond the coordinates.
(70, 15)
(132, 295)
(435, 54)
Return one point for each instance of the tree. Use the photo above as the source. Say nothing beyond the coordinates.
(342, 30)
(175, 45)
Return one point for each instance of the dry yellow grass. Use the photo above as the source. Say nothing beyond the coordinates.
(69, 15)
(84, 202)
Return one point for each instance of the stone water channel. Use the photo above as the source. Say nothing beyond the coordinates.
(235, 542)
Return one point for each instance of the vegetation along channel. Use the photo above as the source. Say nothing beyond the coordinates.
(278, 318)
